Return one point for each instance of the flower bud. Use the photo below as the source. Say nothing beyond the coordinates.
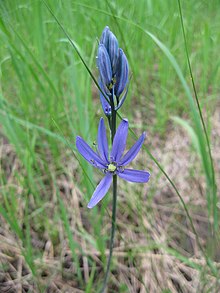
(113, 51)
(122, 71)
(104, 65)
(105, 37)
(122, 99)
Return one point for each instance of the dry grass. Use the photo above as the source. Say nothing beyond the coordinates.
(150, 222)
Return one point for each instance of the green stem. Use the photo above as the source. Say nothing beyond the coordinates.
(113, 128)
(112, 232)
(114, 203)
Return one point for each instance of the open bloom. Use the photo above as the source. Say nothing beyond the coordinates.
(116, 162)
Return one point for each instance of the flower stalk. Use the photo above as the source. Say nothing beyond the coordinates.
(114, 205)
(114, 202)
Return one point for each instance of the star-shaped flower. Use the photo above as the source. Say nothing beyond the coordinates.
(116, 162)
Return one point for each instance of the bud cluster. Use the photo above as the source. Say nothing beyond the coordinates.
(113, 69)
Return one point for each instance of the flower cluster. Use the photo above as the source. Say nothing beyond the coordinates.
(113, 69)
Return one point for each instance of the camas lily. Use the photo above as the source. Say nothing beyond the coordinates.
(116, 162)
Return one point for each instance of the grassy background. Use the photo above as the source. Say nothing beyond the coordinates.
(50, 241)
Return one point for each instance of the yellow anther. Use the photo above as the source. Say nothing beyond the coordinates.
(111, 168)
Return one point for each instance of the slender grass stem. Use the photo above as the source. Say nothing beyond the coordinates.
(214, 187)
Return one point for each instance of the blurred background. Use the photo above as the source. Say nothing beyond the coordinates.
(49, 240)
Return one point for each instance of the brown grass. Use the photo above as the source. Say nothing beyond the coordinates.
(150, 221)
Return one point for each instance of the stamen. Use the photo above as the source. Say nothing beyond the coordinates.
(121, 169)
(96, 148)
(112, 159)
(93, 162)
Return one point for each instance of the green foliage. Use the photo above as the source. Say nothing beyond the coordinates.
(47, 97)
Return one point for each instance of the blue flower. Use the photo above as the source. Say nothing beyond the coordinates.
(113, 164)
(113, 69)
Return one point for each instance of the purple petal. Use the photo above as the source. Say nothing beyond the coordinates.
(100, 191)
(132, 153)
(119, 142)
(134, 175)
(102, 141)
(87, 152)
